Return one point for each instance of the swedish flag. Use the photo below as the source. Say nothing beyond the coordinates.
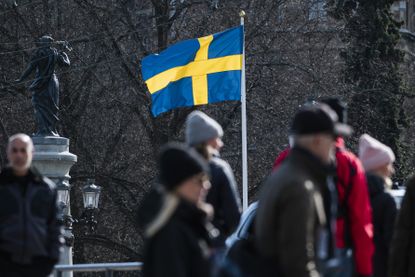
(196, 72)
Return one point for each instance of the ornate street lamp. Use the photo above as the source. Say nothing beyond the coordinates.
(63, 188)
(91, 193)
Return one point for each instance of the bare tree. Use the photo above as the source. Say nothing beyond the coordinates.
(292, 54)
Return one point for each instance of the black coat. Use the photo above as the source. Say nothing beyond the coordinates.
(177, 241)
(29, 225)
(243, 260)
(402, 253)
(384, 213)
(224, 198)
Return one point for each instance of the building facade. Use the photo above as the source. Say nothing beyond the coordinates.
(404, 11)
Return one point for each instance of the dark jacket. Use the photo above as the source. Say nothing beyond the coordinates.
(384, 214)
(402, 252)
(29, 225)
(177, 242)
(224, 198)
(291, 213)
(243, 260)
(354, 227)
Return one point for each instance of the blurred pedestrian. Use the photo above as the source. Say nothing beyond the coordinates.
(296, 210)
(30, 232)
(354, 229)
(377, 159)
(402, 250)
(205, 135)
(177, 240)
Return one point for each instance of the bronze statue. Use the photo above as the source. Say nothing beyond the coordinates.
(45, 85)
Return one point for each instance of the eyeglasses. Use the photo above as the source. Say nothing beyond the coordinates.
(203, 181)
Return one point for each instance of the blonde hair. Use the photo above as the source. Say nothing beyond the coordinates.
(203, 150)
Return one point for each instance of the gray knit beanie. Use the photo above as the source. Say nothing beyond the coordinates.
(201, 128)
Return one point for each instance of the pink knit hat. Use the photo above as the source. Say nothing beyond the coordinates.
(373, 153)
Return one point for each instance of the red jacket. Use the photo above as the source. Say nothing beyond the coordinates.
(358, 206)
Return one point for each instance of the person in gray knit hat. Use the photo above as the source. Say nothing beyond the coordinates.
(200, 128)
(205, 135)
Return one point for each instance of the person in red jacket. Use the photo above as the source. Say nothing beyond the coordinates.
(354, 228)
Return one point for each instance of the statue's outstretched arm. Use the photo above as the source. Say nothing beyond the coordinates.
(64, 59)
(27, 72)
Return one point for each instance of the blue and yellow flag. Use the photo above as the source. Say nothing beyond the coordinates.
(195, 72)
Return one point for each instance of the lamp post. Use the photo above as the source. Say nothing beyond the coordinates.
(63, 189)
(90, 195)
(54, 160)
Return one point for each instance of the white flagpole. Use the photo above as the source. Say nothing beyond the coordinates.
(244, 128)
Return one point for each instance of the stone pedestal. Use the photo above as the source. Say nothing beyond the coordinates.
(53, 159)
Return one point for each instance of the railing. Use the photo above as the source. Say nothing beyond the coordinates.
(108, 268)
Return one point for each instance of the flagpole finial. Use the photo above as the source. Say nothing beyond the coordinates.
(242, 13)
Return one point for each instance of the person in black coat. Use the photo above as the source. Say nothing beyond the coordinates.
(204, 134)
(377, 159)
(30, 231)
(174, 217)
(384, 214)
(402, 253)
